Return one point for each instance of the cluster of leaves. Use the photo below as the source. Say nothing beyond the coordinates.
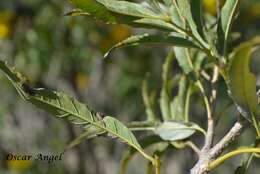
(198, 50)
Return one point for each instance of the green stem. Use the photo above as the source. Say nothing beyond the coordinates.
(256, 126)
(187, 105)
(157, 164)
(205, 98)
(225, 157)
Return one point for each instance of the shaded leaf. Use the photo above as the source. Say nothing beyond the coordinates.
(165, 95)
(178, 103)
(196, 11)
(95, 9)
(184, 59)
(224, 24)
(187, 12)
(153, 39)
(242, 83)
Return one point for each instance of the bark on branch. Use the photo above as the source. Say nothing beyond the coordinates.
(207, 157)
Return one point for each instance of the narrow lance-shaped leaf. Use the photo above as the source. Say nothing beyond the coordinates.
(182, 54)
(95, 9)
(137, 15)
(224, 24)
(154, 39)
(178, 103)
(165, 96)
(242, 83)
(187, 12)
(63, 106)
(196, 11)
(130, 8)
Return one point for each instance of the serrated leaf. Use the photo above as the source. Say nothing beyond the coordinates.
(121, 131)
(66, 107)
(129, 154)
(153, 39)
(188, 12)
(242, 83)
(173, 131)
(224, 24)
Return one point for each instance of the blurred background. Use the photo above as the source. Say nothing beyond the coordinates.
(66, 53)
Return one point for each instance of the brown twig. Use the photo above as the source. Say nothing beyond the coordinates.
(206, 158)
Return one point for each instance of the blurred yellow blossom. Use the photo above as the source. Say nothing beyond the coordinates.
(211, 6)
(20, 165)
(4, 31)
(5, 21)
(117, 34)
(81, 81)
(255, 10)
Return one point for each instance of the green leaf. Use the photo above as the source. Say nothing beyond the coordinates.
(165, 95)
(145, 142)
(173, 131)
(130, 9)
(224, 24)
(136, 15)
(153, 39)
(178, 103)
(63, 106)
(194, 22)
(242, 83)
(95, 9)
(153, 23)
(184, 59)
(196, 10)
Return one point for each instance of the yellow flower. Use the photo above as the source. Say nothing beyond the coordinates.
(211, 6)
(81, 81)
(119, 33)
(255, 10)
(4, 31)
(20, 165)
(5, 20)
